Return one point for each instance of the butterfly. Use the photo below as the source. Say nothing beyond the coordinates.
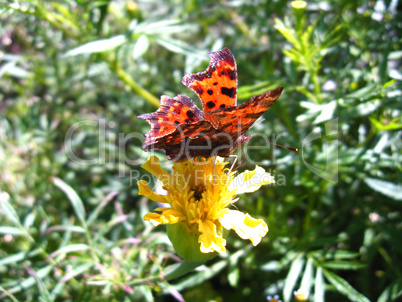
(183, 131)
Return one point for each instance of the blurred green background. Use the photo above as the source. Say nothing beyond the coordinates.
(74, 232)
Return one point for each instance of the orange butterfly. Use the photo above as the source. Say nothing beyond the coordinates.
(184, 131)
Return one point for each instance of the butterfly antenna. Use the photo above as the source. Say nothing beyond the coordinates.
(289, 148)
(257, 122)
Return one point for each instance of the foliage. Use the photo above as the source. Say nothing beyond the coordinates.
(72, 229)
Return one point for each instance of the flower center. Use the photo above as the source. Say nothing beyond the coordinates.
(198, 190)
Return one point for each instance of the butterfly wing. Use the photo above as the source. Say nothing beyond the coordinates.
(172, 113)
(237, 120)
(217, 86)
(187, 141)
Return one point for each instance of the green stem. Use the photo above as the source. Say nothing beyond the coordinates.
(317, 88)
(91, 244)
(128, 80)
(307, 217)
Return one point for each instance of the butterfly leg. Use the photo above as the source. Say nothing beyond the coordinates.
(234, 162)
(244, 158)
(213, 168)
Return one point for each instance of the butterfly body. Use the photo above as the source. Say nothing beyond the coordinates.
(183, 131)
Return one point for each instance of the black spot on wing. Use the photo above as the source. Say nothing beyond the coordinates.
(190, 114)
(199, 91)
(232, 74)
(230, 92)
(210, 104)
(210, 91)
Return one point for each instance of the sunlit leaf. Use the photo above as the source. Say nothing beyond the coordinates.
(385, 187)
(392, 292)
(97, 46)
(140, 47)
(343, 265)
(319, 286)
(292, 277)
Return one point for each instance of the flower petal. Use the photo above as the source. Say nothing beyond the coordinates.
(152, 166)
(209, 238)
(245, 226)
(168, 216)
(250, 181)
(144, 190)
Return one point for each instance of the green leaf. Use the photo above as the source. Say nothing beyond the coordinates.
(343, 265)
(234, 276)
(319, 286)
(77, 271)
(394, 124)
(9, 212)
(95, 213)
(178, 46)
(140, 47)
(97, 46)
(65, 228)
(327, 112)
(70, 248)
(385, 187)
(307, 280)
(30, 281)
(344, 287)
(392, 292)
(203, 273)
(364, 92)
(75, 200)
(291, 279)
(338, 254)
(7, 230)
(19, 257)
(44, 293)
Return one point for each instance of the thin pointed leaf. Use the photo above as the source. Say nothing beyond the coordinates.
(385, 187)
(319, 286)
(343, 265)
(140, 47)
(344, 287)
(44, 293)
(338, 254)
(30, 281)
(97, 46)
(75, 200)
(177, 46)
(8, 230)
(77, 271)
(9, 212)
(307, 280)
(291, 279)
(64, 228)
(70, 248)
(100, 206)
(204, 273)
(392, 292)
(19, 257)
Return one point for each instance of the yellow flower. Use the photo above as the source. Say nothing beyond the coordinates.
(199, 199)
